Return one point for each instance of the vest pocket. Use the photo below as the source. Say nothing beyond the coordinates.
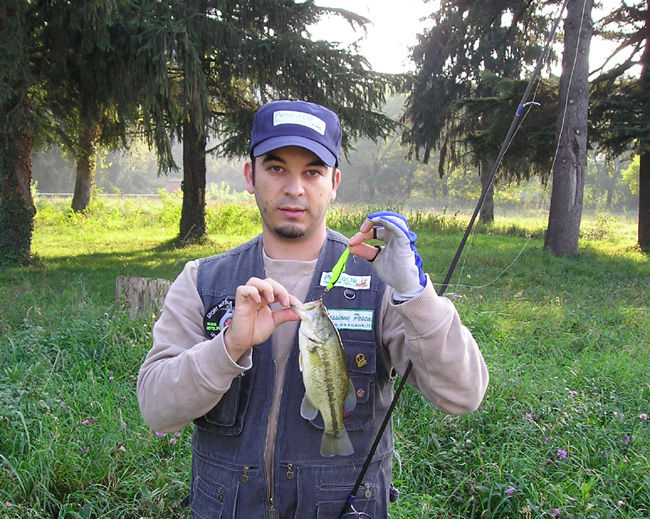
(207, 499)
(362, 369)
(323, 490)
(227, 417)
(333, 509)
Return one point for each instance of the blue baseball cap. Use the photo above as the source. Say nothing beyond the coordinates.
(297, 123)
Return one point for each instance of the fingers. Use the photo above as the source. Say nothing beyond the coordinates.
(284, 315)
(365, 251)
(367, 232)
(264, 292)
(253, 321)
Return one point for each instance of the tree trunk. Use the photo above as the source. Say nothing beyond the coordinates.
(194, 170)
(569, 170)
(644, 163)
(487, 209)
(142, 296)
(16, 203)
(85, 167)
(644, 200)
(370, 181)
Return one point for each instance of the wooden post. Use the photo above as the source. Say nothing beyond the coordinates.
(142, 296)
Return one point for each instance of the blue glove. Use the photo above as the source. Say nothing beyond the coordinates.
(398, 263)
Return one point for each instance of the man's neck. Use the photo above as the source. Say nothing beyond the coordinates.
(306, 248)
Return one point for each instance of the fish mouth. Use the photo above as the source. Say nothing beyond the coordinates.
(304, 310)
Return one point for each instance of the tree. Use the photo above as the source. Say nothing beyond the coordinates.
(457, 59)
(569, 169)
(189, 70)
(17, 121)
(223, 58)
(621, 106)
(79, 82)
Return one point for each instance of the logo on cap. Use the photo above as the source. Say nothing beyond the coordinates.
(297, 123)
(308, 120)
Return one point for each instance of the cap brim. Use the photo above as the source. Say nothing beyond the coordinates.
(283, 141)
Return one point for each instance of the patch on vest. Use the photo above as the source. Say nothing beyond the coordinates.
(347, 281)
(218, 317)
(352, 319)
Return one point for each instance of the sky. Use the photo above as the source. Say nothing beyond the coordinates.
(395, 24)
(394, 28)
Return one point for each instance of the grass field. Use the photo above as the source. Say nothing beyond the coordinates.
(563, 431)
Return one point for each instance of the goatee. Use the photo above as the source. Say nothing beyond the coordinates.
(290, 232)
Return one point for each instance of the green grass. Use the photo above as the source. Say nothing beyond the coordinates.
(563, 430)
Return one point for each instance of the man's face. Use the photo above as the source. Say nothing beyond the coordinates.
(293, 189)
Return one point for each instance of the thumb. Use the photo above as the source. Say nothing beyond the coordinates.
(284, 315)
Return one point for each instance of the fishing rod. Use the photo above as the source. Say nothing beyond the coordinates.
(349, 506)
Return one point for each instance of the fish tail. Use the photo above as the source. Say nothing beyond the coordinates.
(336, 443)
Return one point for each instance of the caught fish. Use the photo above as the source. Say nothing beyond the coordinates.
(328, 388)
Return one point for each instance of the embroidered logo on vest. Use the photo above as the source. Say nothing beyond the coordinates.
(347, 281)
(351, 319)
(218, 317)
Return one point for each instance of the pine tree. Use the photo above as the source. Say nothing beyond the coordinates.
(457, 61)
(621, 101)
(224, 58)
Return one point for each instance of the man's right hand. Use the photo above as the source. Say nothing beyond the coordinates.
(253, 321)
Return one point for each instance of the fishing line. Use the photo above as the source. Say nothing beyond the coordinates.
(506, 143)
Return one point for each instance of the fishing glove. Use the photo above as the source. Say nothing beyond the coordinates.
(398, 263)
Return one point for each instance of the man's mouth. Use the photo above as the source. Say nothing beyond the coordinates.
(292, 212)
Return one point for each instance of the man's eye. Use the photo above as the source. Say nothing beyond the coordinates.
(314, 173)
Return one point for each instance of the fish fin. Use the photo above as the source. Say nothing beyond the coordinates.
(336, 443)
(307, 410)
(350, 401)
(300, 362)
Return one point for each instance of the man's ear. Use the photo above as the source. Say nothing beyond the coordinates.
(335, 183)
(249, 176)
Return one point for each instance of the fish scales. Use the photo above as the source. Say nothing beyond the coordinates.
(328, 388)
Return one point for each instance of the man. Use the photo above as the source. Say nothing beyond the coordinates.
(225, 352)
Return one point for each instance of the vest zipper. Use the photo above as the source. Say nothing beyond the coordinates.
(270, 470)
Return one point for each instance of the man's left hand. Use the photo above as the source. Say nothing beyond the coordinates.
(398, 263)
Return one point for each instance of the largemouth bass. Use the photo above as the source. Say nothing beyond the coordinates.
(325, 374)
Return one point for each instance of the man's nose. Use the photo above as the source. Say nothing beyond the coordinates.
(294, 186)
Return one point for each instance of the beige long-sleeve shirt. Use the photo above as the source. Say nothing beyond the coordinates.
(184, 375)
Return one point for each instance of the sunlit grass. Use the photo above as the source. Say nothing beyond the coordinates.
(563, 431)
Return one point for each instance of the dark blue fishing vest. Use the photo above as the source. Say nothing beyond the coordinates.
(228, 476)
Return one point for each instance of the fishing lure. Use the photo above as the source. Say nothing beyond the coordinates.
(338, 269)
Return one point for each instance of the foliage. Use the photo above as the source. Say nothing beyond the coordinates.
(457, 59)
(563, 431)
(530, 153)
(601, 228)
(224, 193)
(631, 176)
(620, 98)
(16, 211)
